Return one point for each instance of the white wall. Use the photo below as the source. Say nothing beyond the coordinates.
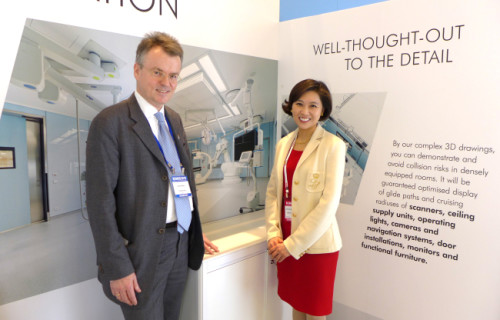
(451, 102)
(442, 101)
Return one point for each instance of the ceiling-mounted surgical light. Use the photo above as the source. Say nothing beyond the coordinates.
(50, 94)
(114, 90)
(207, 135)
(109, 63)
(77, 65)
(110, 69)
(73, 89)
(28, 68)
(95, 58)
(209, 67)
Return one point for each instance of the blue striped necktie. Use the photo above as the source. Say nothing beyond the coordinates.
(182, 205)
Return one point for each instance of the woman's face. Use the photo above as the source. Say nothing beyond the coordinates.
(307, 110)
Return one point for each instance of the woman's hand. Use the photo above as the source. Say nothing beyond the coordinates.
(277, 249)
(273, 242)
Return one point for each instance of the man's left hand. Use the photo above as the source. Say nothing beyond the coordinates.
(210, 248)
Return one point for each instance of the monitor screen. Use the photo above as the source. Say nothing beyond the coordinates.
(245, 142)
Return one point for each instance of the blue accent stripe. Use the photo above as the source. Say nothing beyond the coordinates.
(294, 9)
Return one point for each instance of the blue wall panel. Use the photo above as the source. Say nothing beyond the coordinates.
(14, 186)
(294, 9)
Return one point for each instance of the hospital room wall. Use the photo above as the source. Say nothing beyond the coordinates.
(62, 164)
(14, 189)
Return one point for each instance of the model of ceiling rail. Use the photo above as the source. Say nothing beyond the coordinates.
(42, 62)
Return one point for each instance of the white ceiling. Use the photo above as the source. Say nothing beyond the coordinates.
(195, 104)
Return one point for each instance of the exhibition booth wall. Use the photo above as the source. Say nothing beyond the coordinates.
(419, 239)
(415, 97)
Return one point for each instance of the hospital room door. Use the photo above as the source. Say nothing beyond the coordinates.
(36, 168)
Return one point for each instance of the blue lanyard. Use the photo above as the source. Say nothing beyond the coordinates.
(172, 169)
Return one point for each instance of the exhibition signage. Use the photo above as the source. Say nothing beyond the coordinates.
(420, 239)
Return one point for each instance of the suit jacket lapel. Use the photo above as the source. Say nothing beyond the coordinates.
(143, 129)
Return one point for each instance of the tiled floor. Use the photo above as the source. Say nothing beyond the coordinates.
(45, 256)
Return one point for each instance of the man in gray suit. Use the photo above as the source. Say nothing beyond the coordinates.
(143, 253)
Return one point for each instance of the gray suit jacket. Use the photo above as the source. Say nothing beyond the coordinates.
(127, 192)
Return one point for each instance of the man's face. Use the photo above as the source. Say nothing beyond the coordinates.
(157, 78)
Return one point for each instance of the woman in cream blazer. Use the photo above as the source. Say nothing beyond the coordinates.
(315, 194)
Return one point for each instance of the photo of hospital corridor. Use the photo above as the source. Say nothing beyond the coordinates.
(63, 76)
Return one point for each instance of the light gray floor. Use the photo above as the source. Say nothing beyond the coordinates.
(342, 312)
(46, 256)
(50, 255)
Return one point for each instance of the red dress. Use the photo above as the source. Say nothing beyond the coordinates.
(306, 284)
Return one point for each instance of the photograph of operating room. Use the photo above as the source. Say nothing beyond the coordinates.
(62, 77)
(229, 115)
(354, 119)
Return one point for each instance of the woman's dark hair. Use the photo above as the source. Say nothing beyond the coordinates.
(310, 85)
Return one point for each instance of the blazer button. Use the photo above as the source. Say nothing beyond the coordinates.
(164, 203)
(294, 215)
(164, 178)
(295, 199)
(161, 231)
(296, 182)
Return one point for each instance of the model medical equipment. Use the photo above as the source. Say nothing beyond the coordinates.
(220, 149)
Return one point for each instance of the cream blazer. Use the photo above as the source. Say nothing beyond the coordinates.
(317, 185)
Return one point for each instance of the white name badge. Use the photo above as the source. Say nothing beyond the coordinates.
(288, 209)
(181, 186)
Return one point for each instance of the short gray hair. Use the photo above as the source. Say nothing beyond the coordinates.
(169, 44)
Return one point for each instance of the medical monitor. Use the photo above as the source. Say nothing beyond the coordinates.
(245, 142)
(245, 157)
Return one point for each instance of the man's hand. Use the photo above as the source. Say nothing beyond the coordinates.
(210, 248)
(124, 289)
